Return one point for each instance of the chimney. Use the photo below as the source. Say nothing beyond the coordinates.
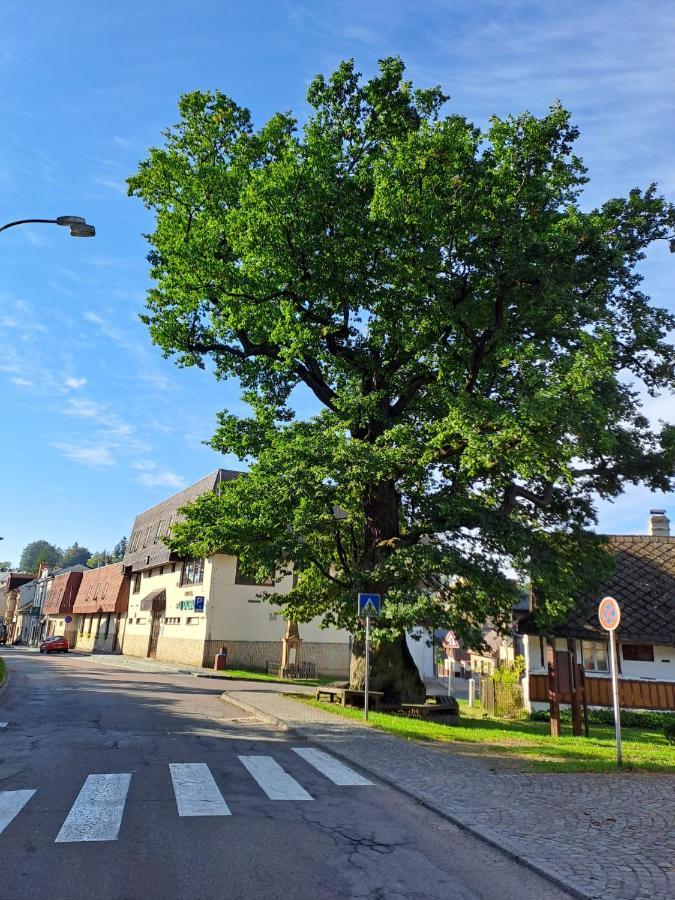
(659, 523)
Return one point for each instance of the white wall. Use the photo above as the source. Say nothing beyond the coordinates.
(422, 654)
(662, 669)
(231, 611)
(235, 612)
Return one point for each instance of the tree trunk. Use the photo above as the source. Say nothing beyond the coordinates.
(392, 671)
(392, 668)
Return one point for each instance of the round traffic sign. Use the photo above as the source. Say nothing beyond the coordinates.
(609, 613)
(68, 619)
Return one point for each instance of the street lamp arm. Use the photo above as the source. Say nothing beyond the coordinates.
(29, 222)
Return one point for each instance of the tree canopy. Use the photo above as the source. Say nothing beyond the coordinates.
(75, 556)
(39, 552)
(474, 340)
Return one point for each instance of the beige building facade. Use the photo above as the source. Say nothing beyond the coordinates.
(183, 611)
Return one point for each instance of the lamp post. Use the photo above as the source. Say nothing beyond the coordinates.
(79, 227)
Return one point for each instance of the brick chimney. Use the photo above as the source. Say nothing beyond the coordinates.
(659, 523)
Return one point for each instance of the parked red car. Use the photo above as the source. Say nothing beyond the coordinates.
(54, 644)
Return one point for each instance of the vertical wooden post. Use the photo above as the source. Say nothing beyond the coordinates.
(554, 703)
(574, 687)
(584, 696)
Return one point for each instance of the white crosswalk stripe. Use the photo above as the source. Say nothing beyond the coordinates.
(332, 768)
(11, 803)
(97, 813)
(196, 791)
(277, 784)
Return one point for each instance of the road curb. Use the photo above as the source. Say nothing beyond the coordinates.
(494, 842)
(3, 686)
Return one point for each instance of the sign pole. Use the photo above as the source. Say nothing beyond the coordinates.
(615, 695)
(367, 680)
(609, 614)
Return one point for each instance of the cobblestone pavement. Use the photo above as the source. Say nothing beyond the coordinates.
(599, 836)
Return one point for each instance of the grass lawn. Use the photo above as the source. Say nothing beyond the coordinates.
(527, 744)
(252, 675)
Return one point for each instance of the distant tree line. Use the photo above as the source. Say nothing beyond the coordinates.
(42, 551)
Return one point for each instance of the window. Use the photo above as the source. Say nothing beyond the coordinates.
(192, 620)
(147, 536)
(137, 582)
(193, 571)
(159, 530)
(172, 620)
(595, 656)
(638, 652)
(242, 579)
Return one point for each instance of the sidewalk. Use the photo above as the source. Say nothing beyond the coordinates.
(597, 836)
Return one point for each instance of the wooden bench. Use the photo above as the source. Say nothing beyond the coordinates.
(345, 695)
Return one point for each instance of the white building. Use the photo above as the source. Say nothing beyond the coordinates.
(643, 583)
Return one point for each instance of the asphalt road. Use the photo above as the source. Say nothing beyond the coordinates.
(181, 815)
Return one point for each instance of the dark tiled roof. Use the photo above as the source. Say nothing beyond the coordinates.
(643, 584)
(149, 547)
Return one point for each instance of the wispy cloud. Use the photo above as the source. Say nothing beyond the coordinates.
(151, 475)
(75, 383)
(118, 186)
(90, 455)
(22, 382)
(164, 478)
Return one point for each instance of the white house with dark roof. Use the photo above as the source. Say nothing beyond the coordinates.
(184, 610)
(643, 583)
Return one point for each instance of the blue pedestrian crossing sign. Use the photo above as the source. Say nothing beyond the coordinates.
(369, 606)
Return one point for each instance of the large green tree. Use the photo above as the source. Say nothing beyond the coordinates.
(38, 552)
(475, 342)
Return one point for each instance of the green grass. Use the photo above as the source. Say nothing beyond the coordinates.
(526, 744)
(252, 675)
(3, 671)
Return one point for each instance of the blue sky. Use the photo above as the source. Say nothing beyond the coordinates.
(97, 425)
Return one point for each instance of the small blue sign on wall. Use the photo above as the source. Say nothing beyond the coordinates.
(199, 604)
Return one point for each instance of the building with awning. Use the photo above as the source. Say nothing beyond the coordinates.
(101, 609)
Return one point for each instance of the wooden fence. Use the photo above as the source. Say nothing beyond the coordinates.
(632, 694)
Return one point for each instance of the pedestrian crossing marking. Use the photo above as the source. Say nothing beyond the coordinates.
(11, 803)
(196, 791)
(277, 784)
(332, 768)
(97, 813)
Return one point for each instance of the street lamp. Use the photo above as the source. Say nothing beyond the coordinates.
(78, 226)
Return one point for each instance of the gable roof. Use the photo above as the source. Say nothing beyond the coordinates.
(104, 589)
(643, 584)
(146, 548)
